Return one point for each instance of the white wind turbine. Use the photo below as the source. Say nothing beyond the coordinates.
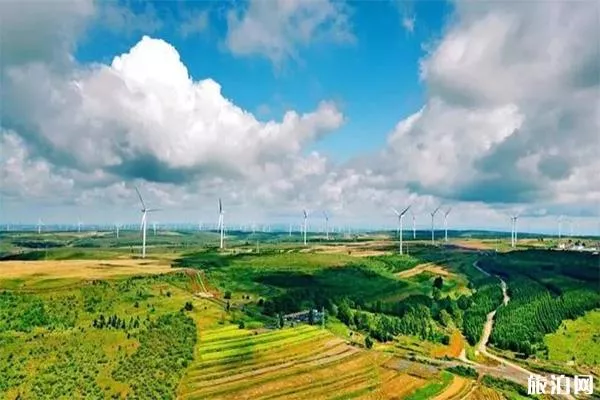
(221, 223)
(305, 225)
(560, 220)
(446, 224)
(432, 224)
(326, 225)
(513, 236)
(117, 226)
(400, 230)
(144, 222)
(154, 227)
(39, 225)
(79, 223)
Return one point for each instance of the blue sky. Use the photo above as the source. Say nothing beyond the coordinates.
(275, 106)
(375, 79)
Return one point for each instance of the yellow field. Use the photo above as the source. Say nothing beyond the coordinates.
(484, 393)
(293, 363)
(369, 249)
(458, 389)
(453, 349)
(81, 269)
(428, 267)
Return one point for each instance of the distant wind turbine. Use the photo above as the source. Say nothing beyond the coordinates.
(432, 224)
(79, 225)
(39, 225)
(400, 218)
(446, 224)
(144, 222)
(221, 222)
(305, 225)
(513, 237)
(560, 219)
(326, 225)
(117, 229)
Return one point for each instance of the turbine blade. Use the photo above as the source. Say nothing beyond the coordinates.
(143, 220)
(140, 196)
(405, 210)
(395, 211)
(220, 206)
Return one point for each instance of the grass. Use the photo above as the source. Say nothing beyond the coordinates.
(303, 362)
(78, 277)
(576, 341)
(430, 390)
(51, 350)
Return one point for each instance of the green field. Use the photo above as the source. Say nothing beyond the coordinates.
(577, 342)
(81, 316)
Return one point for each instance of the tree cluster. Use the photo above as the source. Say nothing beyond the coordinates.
(115, 322)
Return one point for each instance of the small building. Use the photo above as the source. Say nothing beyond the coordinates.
(303, 316)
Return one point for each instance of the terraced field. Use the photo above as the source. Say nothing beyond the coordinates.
(302, 362)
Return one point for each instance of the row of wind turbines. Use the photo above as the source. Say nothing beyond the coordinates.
(400, 230)
(145, 210)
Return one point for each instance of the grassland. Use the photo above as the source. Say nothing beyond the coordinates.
(577, 342)
(81, 316)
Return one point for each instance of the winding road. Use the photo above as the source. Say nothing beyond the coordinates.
(511, 369)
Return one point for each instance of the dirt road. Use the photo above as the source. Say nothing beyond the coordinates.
(511, 369)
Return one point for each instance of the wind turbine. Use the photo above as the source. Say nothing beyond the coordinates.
(400, 217)
(326, 225)
(305, 225)
(39, 225)
(221, 222)
(117, 229)
(432, 225)
(154, 227)
(144, 222)
(560, 219)
(513, 236)
(78, 225)
(446, 224)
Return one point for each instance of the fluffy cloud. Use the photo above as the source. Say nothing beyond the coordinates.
(143, 117)
(512, 109)
(276, 29)
(25, 176)
(42, 31)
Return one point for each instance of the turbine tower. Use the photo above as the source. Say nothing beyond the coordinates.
(39, 225)
(401, 231)
(305, 225)
(144, 222)
(117, 229)
(221, 222)
(446, 224)
(432, 225)
(326, 225)
(154, 227)
(513, 235)
(78, 225)
(560, 219)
